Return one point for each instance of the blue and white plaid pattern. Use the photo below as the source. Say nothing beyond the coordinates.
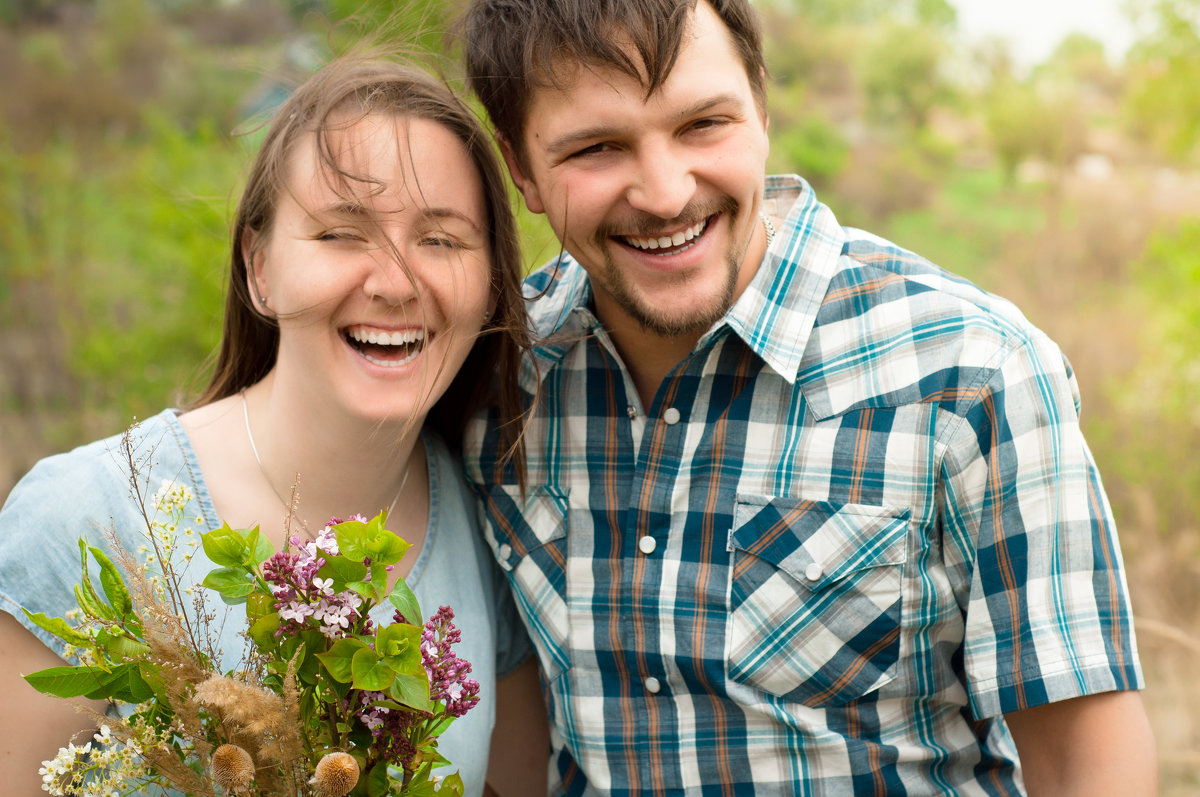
(856, 526)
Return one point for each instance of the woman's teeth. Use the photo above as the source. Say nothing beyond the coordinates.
(388, 349)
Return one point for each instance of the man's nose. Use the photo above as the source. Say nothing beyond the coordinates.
(664, 183)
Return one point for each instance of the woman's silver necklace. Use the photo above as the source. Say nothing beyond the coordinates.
(288, 505)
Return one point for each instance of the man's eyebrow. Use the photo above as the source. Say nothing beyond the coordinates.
(568, 141)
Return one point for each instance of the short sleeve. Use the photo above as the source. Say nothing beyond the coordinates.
(1048, 615)
(40, 528)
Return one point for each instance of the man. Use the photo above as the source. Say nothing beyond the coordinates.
(804, 514)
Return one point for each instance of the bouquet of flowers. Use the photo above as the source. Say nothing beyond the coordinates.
(325, 701)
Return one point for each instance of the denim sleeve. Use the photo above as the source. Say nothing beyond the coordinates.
(63, 498)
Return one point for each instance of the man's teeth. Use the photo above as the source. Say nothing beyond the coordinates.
(667, 241)
(381, 338)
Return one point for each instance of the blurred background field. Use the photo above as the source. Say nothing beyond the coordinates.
(1070, 185)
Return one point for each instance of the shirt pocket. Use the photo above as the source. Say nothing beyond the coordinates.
(528, 540)
(815, 597)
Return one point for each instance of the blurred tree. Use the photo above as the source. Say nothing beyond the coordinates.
(1163, 100)
(1156, 428)
(901, 68)
(1028, 121)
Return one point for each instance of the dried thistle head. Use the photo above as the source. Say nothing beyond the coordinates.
(335, 775)
(232, 768)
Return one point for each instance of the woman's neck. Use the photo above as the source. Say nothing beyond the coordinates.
(339, 464)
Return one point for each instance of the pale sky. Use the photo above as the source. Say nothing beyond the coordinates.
(1035, 27)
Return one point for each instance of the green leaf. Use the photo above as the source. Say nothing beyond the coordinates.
(125, 683)
(378, 781)
(60, 628)
(262, 631)
(342, 571)
(366, 589)
(85, 594)
(122, 648)
(452, 784)
(405, 600)
(383, 546)
(399, 644)
(259, 546)
(379, 579)
(114, 584)
(338, 660)
(233, 584)
(67, 681)
(227, 547)
(412, 691)
(352, 539)
(371, 671)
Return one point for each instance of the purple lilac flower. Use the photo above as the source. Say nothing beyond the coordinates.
(447, 672)
(390, 729)
(304, 600)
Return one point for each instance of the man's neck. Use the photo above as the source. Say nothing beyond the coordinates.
(649, 357)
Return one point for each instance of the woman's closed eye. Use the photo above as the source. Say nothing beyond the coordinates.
(342, 234)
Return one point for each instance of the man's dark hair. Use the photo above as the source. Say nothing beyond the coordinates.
(514, 47)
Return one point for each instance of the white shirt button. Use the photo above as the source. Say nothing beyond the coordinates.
(653, 685)
(671, 416)
(647, 544)
(814, 571)
(505, 551)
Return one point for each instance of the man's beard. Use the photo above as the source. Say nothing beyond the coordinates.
(649, 318)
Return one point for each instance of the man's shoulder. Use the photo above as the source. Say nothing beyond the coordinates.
(895, 328)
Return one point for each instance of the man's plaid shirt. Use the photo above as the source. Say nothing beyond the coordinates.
(855, 527)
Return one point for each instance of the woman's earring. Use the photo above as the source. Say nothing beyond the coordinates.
(487, 314)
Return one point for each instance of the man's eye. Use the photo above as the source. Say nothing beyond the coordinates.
(594, 149)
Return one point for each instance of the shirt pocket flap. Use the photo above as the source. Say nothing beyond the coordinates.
(522, 525)
(818, 543)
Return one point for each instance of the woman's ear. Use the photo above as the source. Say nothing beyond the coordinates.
(256, 281)
(528, 189)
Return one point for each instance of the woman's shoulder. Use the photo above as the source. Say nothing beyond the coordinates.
(102, 467)
(98, 484)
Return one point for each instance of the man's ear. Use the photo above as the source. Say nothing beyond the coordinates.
(528, 189)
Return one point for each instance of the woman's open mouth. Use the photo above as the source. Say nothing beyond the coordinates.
(384, 348)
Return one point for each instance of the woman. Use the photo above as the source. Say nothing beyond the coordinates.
(375, 288)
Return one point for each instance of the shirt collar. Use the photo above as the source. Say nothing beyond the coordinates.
(775, 314)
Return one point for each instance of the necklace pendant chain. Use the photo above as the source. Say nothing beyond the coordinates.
(289, 505)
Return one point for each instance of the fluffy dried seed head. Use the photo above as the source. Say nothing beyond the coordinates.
(335, 775)
(232, 767)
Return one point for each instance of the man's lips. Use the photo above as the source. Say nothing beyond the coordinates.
(666, 244)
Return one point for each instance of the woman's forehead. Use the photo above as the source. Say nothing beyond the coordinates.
(379, 158)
